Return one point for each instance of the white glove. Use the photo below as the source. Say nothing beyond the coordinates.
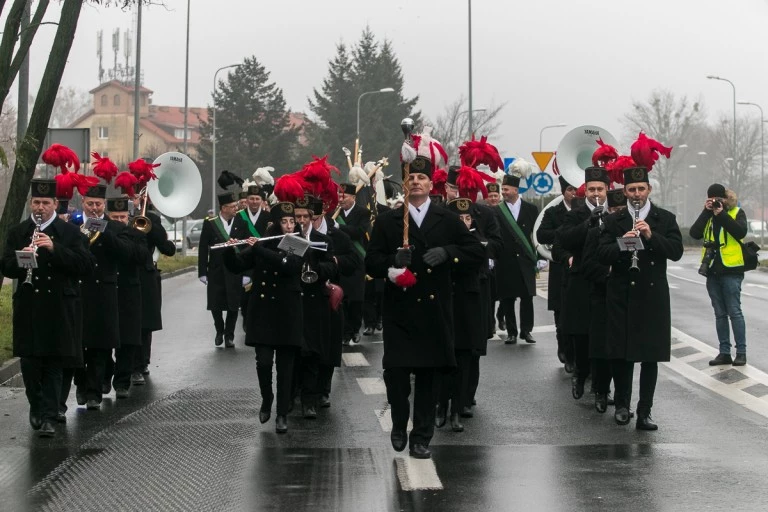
(246, 280)
(204, 279)
(491, 264)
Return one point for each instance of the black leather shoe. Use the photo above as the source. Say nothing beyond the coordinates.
(568, 367)
(229, 341)
(35, 421)
(219, 339)
(265, 411)
(511, 340)
(281, 424)
(456, 425)
(601, 402)
(379, 326)
(356, 338)
(561, 356)
(145, 370)
(621, 416)
(645, 423)
(80, 397)
(61, 417)
(440, 414)
(528, 337)
(577, 387)
(310, 412)
(419, 451)
(721, 359)
(47, 430)
(122, 393)
(502, 324)
(324, 402)
(466, 412)
(399, 439)
(368, 331)
(474, 402)
(92, 405)
(741, 360)
(106, 388)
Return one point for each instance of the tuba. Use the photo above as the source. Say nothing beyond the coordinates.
(176, 191)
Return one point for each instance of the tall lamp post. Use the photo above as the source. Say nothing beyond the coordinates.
(469, 63)
(762, 170)
(713, 77)
(357, 133)
(541, 132)
(213, 167)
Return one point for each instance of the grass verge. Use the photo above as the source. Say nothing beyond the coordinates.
(6, 328)
(171, 263)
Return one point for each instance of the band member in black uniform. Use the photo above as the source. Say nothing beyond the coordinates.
(275, 316)
(355, 221)
(47, 318)
(128, 300)
(319, 268)
(374, 288)
(570, 237)
(497, 313)
(553, 219)
(156, 240)
(418, 321)
(347, 260)
(223, 286)
(638, 308)
(251, 221)
(101, 333)
(516, 266)
(596, 275)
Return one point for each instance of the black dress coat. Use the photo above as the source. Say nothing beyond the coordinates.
(243, 227)
(348, 260)
(487, 229)
(638, 307)
(101, 328)
(357, 225)
(224, 287)
(553, 219)
(275, 311)
(596, 275)
(129, 289)
(570, 237)
(151, 289)
(418, 321)
(515, 270)
(47, 316)
(317, 308)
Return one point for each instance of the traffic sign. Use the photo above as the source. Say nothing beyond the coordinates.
(542, 159)
(507, 162)
(542, 182)
(525, 184)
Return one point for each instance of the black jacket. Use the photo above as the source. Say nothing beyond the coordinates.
(515, 269)
(553, 219)
(224, 288)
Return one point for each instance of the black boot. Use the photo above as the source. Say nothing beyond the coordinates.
(281, 424)
(440, 414)
(267, 396)
(645, 422)
(577, 387)
(601, 402)
(456, 425)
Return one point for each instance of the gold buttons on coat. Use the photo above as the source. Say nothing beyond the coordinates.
(431, 297)
(429, 271)
(455, 260)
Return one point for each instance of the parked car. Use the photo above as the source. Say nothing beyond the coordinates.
(175, 230)
(193, 233)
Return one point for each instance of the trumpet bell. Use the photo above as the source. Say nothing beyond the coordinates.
(574, 153)
(177, 189)
(142, 223)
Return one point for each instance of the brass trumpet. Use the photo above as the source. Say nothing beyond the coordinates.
(142, 222)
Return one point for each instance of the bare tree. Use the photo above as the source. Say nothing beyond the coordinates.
(671, 121)
(452, 126)
(70, 104)
(7, 143)
(739, 169)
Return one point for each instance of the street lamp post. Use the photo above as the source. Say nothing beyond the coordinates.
(733, 162)
(762, 170)
(541, 132)
(469, 51)
(357, 133)
(213, 167)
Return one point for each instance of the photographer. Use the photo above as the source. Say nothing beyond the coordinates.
(723, 225)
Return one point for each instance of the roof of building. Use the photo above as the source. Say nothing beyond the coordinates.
(119, 85)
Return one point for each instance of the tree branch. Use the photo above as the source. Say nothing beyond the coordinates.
(8, 42)
(27, 38)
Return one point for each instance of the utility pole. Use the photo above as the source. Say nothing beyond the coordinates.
(186, 124)
(22, 117)
(137, 86)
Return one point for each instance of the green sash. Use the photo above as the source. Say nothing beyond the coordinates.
(357, 244)
(251, 227)
(521, 238)
(223, 232)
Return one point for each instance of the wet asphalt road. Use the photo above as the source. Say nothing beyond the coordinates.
(190, 440)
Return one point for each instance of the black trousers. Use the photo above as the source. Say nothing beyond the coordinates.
(92, 376)
(622, 378)
(581, 356)
(244, 298)
(601, 375)
(456, 385)
(499, 312)
(125, 358)
(310, 382)
(283, 358)
(564, 343)
(67, 374)
(526, 315)
(42, 382)
(227, 328)
(325, 378)
(143, 356)
(109, 368)
(353, 317)
(372, 304)
(398, 382)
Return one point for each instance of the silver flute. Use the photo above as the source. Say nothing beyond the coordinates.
(635, 257)
(35, 235)
(245, 241)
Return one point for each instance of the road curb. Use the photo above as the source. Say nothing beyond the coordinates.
(9, 370)
(185, 270)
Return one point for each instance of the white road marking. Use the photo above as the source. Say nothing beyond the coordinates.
(755, 285)
(704, 283)
(542, 292)
(354, 359)
(385, 419)
(544, 328)
(672, 286)
(674, 267)
(417, 474)
(372, 386)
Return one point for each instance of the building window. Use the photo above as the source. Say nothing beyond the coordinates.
(104, 100)
(116, 101)
(179, 133)
(143, 101)
(103, 132)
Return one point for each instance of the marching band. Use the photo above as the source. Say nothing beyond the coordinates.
(313, 264)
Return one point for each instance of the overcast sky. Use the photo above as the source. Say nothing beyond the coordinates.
(571, 61)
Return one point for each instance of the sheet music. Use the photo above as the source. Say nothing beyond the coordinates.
(26, 259)
(294, 245)
(630, 243)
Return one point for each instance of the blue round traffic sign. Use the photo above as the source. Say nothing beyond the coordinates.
(542, 182)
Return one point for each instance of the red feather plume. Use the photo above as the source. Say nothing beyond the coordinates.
(439, 178)
(127, 182)
(289, 187)
(476, 152)
(582, 190)
(143, 171)
(604, 154)
(67, 183)
(104, 168)
(315, 178)
(645, 151)
(616, 168)
(330, 197)
(61, 156)
(470, 181)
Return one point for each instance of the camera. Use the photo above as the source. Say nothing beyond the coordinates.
(717, 203)
(709, 255)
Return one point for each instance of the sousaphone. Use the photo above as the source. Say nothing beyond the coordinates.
(177, 189)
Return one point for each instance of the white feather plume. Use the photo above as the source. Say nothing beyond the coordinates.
(263, 176)
(521, 168)
(357, 175)
(399, 198)
(407, 153)
(247, 183)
